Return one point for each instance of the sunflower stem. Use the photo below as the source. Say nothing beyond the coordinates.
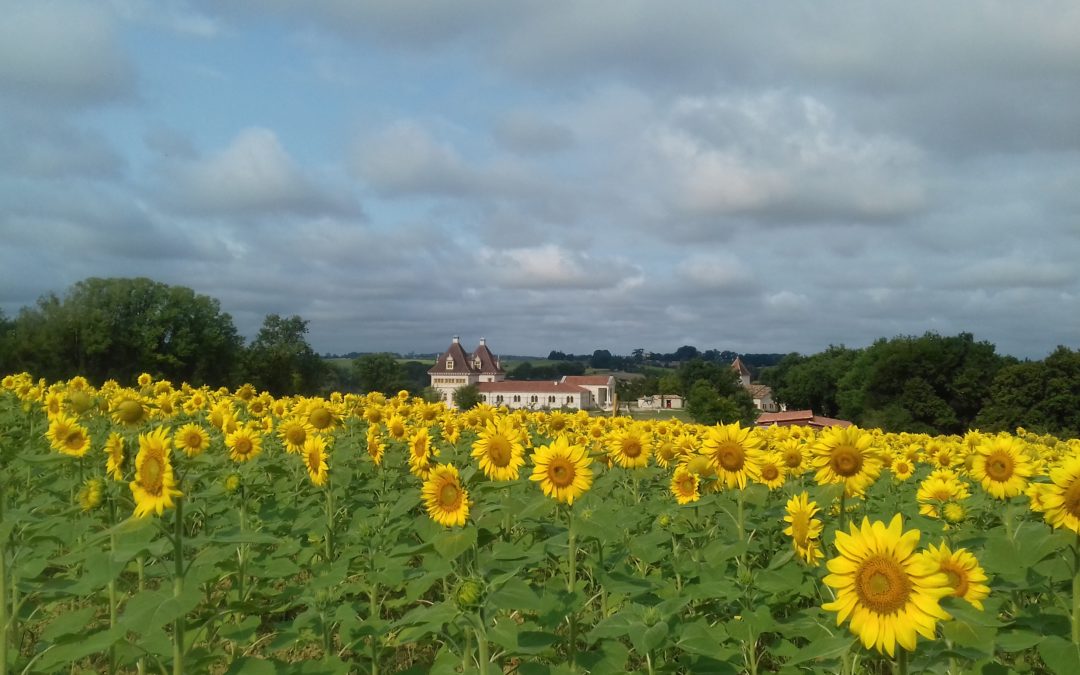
(482, 656)
(140, 665)
(3, 593)
(901, 661)
(178, 587)
(112, 582)
(571, 583)
(373, 615)
(1076, 592)
(241, 558)
(329, 520)
(843, 510)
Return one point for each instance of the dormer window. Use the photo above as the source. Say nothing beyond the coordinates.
(449, 363)
(476, 363)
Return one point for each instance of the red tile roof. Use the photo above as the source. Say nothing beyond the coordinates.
(530, 387)
(799, 418)
(462, 363)
(740, 367)
(488, 363)
(593, 380)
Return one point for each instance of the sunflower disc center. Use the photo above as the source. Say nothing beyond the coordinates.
(882, 585)
(448, 495)
(499, 451)
(561, 473)
(999, 467)
(731, 457)
(846, 461)
(1071, 499)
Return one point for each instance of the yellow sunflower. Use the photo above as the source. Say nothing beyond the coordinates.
(791, 452)
(67, 436)
(772, 472)
(446, 501)
(322, 416)
(375, 445)
(803, 528)
(243, 444)
(902, 468)
(1060, 499)
(294, 432)
(563, 470)
(154, 486)
(844, 455)
(420, 453)
(684, 485)
(114, 456)
(629, 448)
(499, 449)
(966, 576)
(734, 452)
(314, 453)
(936, 491)
(888, 591)
(1002, 466)
(192, 439)
(128, 408)
(395, 427)
(91, 494)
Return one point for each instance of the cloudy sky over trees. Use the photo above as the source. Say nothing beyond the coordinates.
(763, 177)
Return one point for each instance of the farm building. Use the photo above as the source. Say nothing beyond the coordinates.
(455, 368)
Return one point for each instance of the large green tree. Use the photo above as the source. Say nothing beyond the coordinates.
(714, 393)
(1042, 396)
(810, 382)
(931, 383)
(379, 372)
(118, 328)
(281, 361)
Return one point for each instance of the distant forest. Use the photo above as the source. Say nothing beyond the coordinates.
(117, 328)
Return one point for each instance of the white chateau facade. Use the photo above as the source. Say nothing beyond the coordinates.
(456, 368)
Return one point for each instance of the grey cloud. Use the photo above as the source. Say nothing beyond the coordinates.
(253, 175)
(62, 53)
(45, 147)
(778, 157)
(528, 133)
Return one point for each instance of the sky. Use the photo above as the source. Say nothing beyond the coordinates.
(555, 174)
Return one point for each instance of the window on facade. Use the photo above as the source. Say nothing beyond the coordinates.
(517, 399)
(534, 399)
(449, 363)
(551, 399)
(569, 399)
(499, 398)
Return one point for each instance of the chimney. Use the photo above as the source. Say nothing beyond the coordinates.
(457, 339)
(483, 342)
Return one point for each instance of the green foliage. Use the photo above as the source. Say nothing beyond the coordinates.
(119, 328)
(810, 382)
(1042, 396)
(467, 397)
(714, 393)
(379, 372)
(281, 361)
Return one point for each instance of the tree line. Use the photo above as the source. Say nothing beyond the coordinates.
(118, 328)
(934, 384)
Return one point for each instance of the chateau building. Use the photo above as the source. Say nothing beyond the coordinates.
(761, 393)
(455, 368)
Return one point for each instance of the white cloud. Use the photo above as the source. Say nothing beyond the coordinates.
(780, 157)
(549, 267)
(718, 271)
(253, 174)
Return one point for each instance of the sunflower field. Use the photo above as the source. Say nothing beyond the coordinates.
(163, 528)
